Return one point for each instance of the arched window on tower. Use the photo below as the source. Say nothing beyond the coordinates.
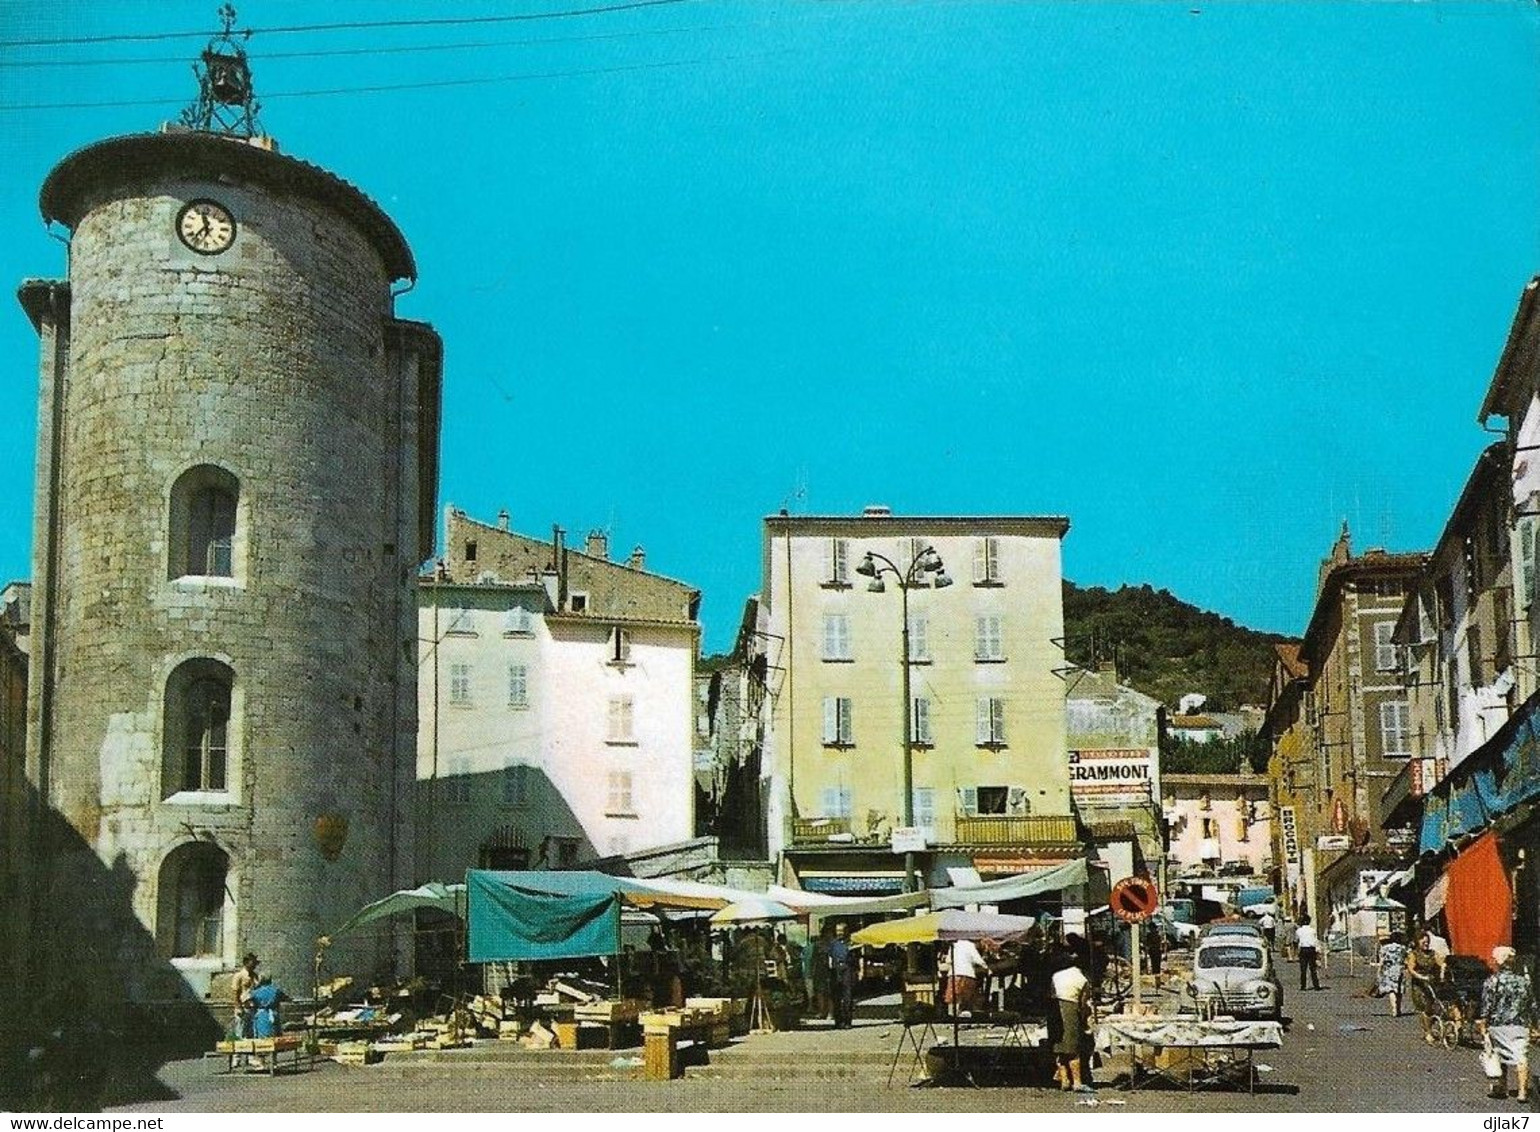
(192, 898)
(197, 727)
(204, 518)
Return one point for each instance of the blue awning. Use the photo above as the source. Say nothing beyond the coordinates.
(856, 885)
(1491, 781)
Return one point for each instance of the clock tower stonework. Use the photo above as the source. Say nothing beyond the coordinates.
(236, 482)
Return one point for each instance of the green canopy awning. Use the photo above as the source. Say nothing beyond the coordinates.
(564, 914)
(445, 897)
(511, 920)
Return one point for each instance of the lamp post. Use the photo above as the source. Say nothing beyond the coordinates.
(925, 564)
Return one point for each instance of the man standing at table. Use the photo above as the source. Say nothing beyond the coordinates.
(967, 967)
(842, 979)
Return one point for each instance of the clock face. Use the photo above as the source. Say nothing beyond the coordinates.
(206, 227)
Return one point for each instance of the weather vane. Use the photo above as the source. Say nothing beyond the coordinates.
(226, 104)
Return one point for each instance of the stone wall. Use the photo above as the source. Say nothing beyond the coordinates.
(273, 361)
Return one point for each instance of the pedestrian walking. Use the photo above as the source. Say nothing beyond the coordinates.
(1507, 1013)
(1269, 928)
(1422, 971)
(1392, 974)
(1307, 941)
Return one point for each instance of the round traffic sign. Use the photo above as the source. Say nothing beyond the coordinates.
(1134, 900)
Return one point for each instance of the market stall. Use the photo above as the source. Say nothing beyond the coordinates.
(1188, 1050)
(998, 1032)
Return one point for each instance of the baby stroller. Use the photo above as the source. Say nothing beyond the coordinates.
(1457, 1001)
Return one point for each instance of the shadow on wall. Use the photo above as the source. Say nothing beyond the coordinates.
(513, 818)
(100, 1010)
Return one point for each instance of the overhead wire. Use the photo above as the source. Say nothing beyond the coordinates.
(337, 52)
(428, 84)
(358, 25)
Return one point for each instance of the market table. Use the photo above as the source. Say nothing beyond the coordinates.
(1210, 1044)
(1016, 1032)
(269, 1050)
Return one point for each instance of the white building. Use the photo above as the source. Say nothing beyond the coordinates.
(555, 698)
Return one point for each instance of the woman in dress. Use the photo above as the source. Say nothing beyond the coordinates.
(1072, 996)
(1507, 1013)
(1422, 971)
(1392, 971)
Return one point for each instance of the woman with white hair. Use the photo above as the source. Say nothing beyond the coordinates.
(1507, 1013)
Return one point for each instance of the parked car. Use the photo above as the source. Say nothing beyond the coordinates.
(1234, 974)
(1230, 927)
(1176, 931)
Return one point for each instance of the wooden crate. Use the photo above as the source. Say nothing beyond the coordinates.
(660, 1057)
(623, 1010)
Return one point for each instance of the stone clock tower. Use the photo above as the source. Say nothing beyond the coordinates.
(236, 479)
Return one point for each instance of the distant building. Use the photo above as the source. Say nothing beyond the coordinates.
(1113, 733)
(556, 704)
(1195, 728)
(1218, 822)
(989, 772)
(1291, 777)
(732, 780)
(1353, 735)
(1454, 641)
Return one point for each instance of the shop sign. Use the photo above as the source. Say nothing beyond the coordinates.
(1111, 776)
(909, 839)
(1332, 842)
(1438, 896)
(1290, 826)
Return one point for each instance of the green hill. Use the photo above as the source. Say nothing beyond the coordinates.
(1165, 647)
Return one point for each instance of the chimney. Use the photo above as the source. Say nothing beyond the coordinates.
(597, 545)
(638, 560)
(502, 519)
(549, 580)
(559, 564)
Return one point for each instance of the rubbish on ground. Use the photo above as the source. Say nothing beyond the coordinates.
(1089, 1102)
(1309, 1025)
(626, 1063)
(1264, 1068)
(1353, 1028)
(1118, 1102)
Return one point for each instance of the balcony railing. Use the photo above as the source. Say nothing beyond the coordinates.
(818, 829)
(1015, 829)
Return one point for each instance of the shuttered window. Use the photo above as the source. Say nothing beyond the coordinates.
(991, 721)
(837, 730)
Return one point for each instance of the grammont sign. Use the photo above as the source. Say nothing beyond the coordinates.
(1111, 775)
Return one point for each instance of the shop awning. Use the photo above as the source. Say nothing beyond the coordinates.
(1501, 775)
(569, 914)
(950, 923)
(1040, 882)
(1479, 905)
(448, 898)
(877, 883)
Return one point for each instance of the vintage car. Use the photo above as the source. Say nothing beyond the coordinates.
(1233, 974)
(1230, 927)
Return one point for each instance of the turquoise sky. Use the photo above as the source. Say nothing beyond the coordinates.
(1206, 278)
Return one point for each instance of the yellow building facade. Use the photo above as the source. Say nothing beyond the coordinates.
(990, 776)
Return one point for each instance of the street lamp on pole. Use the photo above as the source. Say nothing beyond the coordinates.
(925, 565)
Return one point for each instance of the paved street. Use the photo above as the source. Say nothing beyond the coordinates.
(1342, 1053)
